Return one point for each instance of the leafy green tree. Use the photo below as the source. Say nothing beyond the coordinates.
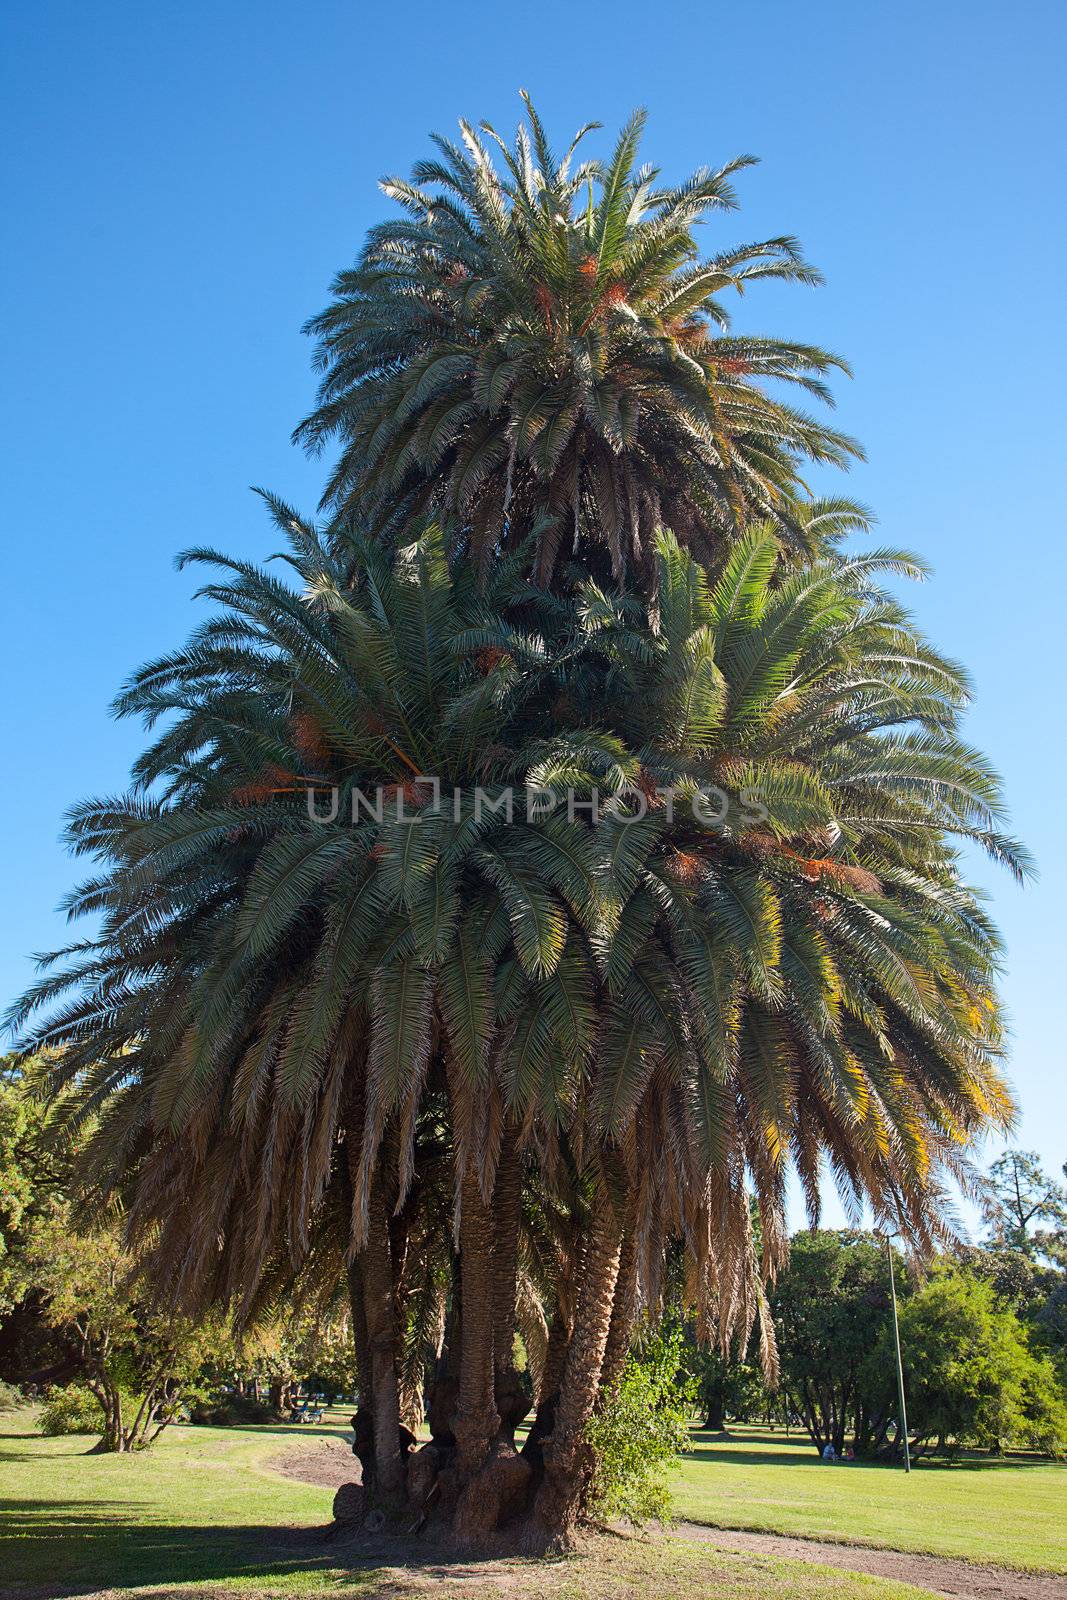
(971, 1374)
(304, 1345)
(16, 1191)
(1017, 1279)
(728, 1387)
(832, 1311)
(35, 1163)
(137, 1362)
(1033, 1290)
(537, 352)
(1049, 1323)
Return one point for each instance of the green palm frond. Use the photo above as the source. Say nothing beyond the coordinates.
(534, 341)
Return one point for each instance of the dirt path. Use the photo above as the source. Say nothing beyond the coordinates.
(940, 1574)
(329, 1463)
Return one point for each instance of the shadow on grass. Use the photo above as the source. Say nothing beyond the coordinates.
(70, 1550)
(775, 1450)
(750, 1450)
(80, 1442)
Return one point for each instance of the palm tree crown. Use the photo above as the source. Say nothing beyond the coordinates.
(538, 350)
(792, 972)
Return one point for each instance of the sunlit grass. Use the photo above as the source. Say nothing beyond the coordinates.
(1013, 1512)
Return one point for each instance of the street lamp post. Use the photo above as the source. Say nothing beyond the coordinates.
(900, 1364)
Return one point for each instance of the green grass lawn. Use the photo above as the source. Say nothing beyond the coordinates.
(1013, 1513)
(198, 1505)
(202, 1512)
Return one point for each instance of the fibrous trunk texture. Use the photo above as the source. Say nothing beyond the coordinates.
(623, 1308)
(373, 1297)
(495, 1479)
(360, 1341)
(476, 1420)
(380, 1313)
(565, 1452)
(511, 1400)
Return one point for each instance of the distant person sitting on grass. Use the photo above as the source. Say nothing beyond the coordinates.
(829, 1454)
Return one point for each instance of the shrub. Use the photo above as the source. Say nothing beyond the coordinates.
(640, 1431)
(231, 1411)
(10, 1396)
(73, 1410)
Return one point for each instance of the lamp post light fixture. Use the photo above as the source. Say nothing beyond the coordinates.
(903, 1419)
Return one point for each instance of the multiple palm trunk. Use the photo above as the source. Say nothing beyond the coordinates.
(473, 1470)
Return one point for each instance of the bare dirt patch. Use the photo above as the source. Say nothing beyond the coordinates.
(328, 1463)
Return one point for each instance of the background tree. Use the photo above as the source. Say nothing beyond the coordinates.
(831, 1309)
(36, 1162)
(16, 1188)
(1017, 1197)
(1033, 1290)
(727, 1387)
(972, 1375)
(136, 1361)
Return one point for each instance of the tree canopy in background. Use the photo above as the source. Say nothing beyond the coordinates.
(1024, 1208)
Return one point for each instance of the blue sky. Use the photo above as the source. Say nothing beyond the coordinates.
(182, 182)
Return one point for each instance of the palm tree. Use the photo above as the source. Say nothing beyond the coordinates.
(811, 985)
(266, 979)
(538, 352)
(645, 1015)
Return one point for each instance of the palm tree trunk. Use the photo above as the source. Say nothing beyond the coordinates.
(559, 1497)
(377, 1422)
(559, 1340)
(495, 1479)
(380, 1312)
(622, 1314)
(477, 1420)
(360, 1342)
(511, 1402)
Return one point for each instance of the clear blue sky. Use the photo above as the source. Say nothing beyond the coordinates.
(183, 180)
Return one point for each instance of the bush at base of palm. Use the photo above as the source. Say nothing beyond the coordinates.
(639, 1432)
